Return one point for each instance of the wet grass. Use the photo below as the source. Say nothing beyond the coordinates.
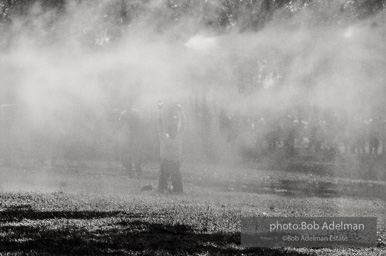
(77, 220)
(141, 227)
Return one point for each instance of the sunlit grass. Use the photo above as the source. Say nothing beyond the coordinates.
(205, 220)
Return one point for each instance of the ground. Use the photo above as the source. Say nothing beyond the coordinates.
(97, 209)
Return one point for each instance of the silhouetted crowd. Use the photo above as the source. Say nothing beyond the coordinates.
(322, 134)
(125, 135)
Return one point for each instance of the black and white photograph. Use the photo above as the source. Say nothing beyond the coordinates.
(193, 127)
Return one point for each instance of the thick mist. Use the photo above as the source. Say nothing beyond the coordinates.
(69, 68)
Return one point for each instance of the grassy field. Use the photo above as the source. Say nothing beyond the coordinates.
(97, 209)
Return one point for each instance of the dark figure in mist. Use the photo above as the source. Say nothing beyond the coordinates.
(331, 136)
(205, 117)
(273, 135)
(358, 140)
(7, 116)
(259, 127)
(247, 139)
(383, 136)
(289, 130)
(171, 147)
(374, 136)
(345, 133)
(131, 152)
(316, 136)
(226, 127)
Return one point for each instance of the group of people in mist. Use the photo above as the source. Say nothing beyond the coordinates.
(171, 126)
(221, 133)
(122, 132)
(322, 133)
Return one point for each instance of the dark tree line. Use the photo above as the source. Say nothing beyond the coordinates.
(216, 14)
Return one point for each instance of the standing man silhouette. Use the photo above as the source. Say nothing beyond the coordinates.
(171, 147)
(132, 149)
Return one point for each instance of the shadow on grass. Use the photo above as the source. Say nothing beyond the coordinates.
(20, 212)
(129, 234)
